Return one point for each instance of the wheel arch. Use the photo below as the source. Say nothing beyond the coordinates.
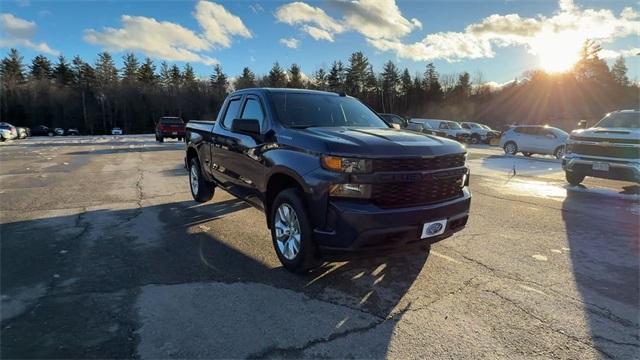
(277, 182)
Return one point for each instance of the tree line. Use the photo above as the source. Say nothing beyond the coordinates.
(96, 97)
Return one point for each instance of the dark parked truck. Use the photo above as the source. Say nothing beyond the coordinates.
(332, 177)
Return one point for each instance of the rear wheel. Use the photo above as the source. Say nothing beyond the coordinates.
(475, 139)
(510, 148)
(201, 189)
(291, 232)
(574, 178)
(559, 152)
(160, 139)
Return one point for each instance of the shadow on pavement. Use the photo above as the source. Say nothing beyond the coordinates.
(71, 284)
(605, 256)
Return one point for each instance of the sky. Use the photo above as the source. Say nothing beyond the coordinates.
(497, 39)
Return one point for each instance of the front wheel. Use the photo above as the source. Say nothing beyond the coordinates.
(559, 152)
(201, 189)
(291, 232)
(574, 178)
(510, 148)
(160, 139)
(475, 139)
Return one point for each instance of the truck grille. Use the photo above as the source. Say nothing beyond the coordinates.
(606, 151)
(419, 164)
(402, 194)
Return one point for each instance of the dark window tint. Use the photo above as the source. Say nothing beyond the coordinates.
(443, 125)
(171, 120)
(521, 130)
(253, 110)
(232, 112)
(466, 126)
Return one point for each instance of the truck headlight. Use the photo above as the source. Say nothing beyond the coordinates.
(360, 191)
(347, 165)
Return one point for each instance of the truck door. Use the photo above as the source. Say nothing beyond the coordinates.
(238, 155)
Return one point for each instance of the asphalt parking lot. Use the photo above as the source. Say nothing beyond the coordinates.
(105, 255)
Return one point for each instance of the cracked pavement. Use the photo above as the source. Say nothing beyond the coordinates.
(105, 255)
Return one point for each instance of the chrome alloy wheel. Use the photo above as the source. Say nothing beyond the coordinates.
(510, 148)
(193, 178)
(287, 228)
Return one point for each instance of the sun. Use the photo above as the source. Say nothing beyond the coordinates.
(558, 52)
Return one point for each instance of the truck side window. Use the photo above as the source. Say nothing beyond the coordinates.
(232, 112)
(443, 125)
(253, 110)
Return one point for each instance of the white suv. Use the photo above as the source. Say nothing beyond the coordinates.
(610, 149)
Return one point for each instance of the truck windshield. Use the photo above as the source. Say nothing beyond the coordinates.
(621, 120)
(301, 110)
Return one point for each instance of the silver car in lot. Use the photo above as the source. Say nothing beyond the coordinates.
(534, 139)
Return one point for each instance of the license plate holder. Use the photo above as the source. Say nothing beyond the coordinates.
(600, 166)
(433, 228)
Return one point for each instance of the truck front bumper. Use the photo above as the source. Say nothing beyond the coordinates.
(618, 169)
(364, 227)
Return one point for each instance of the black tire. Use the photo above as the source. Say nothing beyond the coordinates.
(475, 139)
(160, 139)
(559, 152)
(305, 259)
(574, 178)
(204, 190)
(527, 154)
(510, 150)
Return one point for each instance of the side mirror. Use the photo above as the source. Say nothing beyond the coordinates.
(395, 126)
(249, 126)
(582, 124)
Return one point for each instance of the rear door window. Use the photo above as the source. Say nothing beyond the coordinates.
(231, 112)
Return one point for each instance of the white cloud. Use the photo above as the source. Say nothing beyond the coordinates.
(564, 32)
(256, 8)
(20, 32)
(313, 20)
(170, 41)
(291, 43)
(377, 19)
(612, 54)
(219, 24)
(158, 39)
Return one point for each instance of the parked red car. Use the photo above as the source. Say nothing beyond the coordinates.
(170, 127)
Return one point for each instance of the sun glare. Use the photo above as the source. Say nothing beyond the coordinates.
(558, 52)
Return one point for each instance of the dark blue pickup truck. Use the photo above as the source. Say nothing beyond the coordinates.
(332, 177)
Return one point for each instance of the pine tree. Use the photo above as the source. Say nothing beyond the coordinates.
(62, 72)
(40, 68)
(130, 68)
(295, 77)
(463, 86)
(175, 76)
(619, 72)
(277, 78)
(320, 80)
(406, 85)
(147, 72)
(106, 71)
(189, 77)
(246, 80)
(336, 77)
(83, 74)
(389, 81)
(357, 73)
(219, 82)
(165, 74)
(12, 68)
(431, 84)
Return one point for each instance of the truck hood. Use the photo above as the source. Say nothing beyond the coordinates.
(376, 142)
(607, 133)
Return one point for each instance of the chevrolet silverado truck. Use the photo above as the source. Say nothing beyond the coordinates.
(332, 177)
(610, 149)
